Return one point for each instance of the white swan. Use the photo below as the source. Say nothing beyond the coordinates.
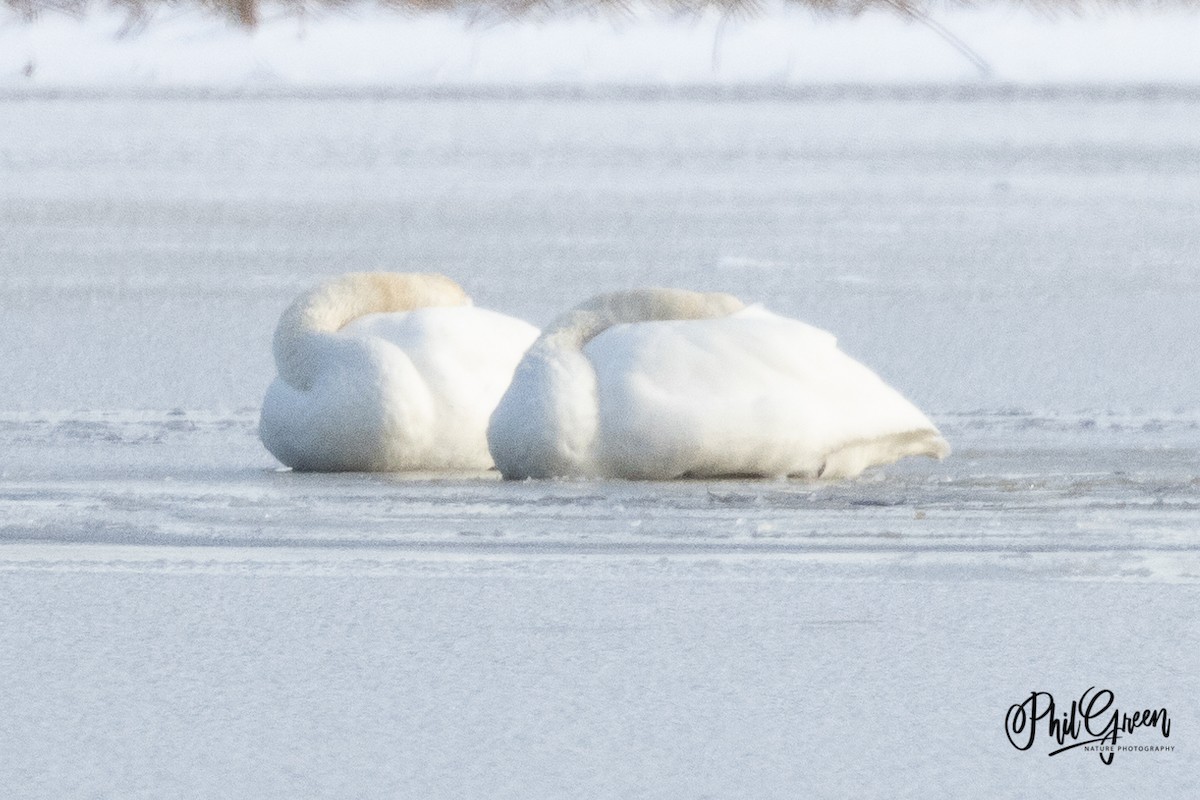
(665, 383)
(388, 372)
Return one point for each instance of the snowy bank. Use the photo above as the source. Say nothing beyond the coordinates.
(785, 46)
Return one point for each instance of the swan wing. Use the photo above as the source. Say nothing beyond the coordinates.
(397, 391)
(748, 394)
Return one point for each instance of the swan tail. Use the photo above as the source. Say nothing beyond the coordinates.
(849, 460)
(324, 310)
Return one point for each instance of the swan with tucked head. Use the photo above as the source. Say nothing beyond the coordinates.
(388, 372)
(666, 383)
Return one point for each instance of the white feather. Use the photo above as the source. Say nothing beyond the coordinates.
(386, 372)
(664, 384)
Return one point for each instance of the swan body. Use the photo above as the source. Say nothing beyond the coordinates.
(388, 372)
(662, 383)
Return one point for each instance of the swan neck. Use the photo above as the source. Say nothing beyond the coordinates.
(587, 321)
(308, 327)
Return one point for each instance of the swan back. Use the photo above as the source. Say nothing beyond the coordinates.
(749, 394)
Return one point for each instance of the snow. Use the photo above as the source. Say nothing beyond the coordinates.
(781, 45)
(640, 682)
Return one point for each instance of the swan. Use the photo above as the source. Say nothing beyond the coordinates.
(388, 372)
(667, 383)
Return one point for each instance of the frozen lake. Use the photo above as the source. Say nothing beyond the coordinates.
(180, 618)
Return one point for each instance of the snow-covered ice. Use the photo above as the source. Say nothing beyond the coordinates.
(180, 618)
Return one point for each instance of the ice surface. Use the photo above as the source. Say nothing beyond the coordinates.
(654, 681)
(180, 618)
(979, 252)
(1112, 498)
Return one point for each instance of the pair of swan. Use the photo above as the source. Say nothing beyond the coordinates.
(397, 372)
